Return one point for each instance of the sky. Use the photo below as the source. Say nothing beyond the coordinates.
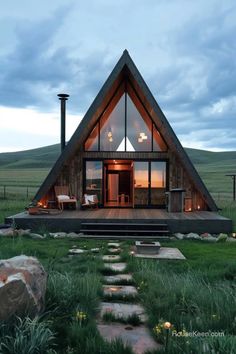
(185, 51)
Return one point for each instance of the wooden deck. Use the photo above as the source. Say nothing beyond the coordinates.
(199, 221)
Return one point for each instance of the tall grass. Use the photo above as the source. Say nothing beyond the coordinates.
(26, 337)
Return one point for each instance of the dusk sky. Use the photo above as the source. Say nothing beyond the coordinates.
(185, 51)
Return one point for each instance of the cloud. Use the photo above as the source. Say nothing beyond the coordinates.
(188, 59)
(29, 128)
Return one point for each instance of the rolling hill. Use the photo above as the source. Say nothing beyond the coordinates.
(46, 156)
(34, 165)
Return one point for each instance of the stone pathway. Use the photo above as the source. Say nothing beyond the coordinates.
(113, 279)
(111, 257)
(123, 310)
(122, 290)
(117, 267)
(138, 336)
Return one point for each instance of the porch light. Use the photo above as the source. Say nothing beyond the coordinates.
(140, 140)
(109, 134)
(111, 139)
(198, 207)
(234, 234)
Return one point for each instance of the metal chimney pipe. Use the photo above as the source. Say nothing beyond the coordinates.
(63, 97)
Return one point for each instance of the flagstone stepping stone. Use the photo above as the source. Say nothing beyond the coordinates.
(138, 338)
(118, 267)
(75, 251)
(111, 257)
(118, 278)
(120, 310)
(113, 244)
(114, 250)
(119, 290)
(95, 250)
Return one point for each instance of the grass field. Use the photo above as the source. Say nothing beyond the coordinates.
(194, 295)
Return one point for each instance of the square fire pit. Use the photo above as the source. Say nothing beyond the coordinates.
(147, 247)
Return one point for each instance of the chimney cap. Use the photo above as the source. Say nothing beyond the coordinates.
(63, 96)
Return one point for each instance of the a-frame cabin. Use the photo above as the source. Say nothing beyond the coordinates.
(125, 151)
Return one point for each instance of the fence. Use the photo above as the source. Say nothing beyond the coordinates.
(17, 192)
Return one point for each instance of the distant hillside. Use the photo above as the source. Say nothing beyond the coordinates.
(43, 157)
(46, 156)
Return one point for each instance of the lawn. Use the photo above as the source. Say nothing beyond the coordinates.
(194, 295)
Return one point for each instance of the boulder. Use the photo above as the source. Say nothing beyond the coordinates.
(22, 287)
(179, 236)
(37, 236)
(22, 232)
(73, 235)
(192, 235)
(58, 234)
(222, 237)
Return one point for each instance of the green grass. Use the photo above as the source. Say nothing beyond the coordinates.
(196, 294)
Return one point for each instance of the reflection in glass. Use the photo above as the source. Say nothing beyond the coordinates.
(141, 183)
(91, 143)
(158, 142)
(139, 129)
(112, 128)
(94, 178)
(158, 182)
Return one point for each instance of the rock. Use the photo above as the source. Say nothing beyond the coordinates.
(73, 235)
(60, 235)
(231, 239)
(209, 238)
(22, 287)
(22, 232)
(114, 250)
(95, 250)
(222, 237)
(194, 236)
(75, 251)
(9, 232)
(179, 236)
(37, 236)
(205, 234)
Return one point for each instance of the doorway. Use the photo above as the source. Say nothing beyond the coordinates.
(118, 183)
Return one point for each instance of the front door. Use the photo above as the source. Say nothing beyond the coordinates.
(118, 183)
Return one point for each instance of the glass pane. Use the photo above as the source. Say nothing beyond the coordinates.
(139, 128)
(158, 142)
(140, 183)
(91, 143)
(112, 128)
(158, 182)
(94, 179)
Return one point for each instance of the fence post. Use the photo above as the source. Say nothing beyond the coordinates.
(27, 192)
(4, 192)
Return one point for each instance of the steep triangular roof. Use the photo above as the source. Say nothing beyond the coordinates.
(126, 67)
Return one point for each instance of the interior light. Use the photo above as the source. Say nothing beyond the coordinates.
(111, 139)
(140, 140)
(109, 134)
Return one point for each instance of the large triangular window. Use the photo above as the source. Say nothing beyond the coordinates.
(125, 125)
